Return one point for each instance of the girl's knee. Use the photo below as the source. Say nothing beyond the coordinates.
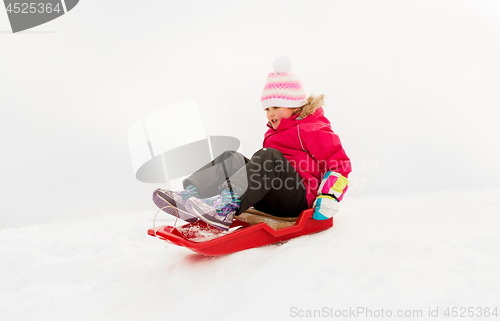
(231, 153)
(268, 153)
(228, 152)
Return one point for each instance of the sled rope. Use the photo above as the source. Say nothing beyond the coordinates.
(176, 217)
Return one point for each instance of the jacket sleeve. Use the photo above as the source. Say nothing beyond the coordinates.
(334, 165)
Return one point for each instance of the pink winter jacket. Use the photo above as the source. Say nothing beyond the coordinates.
(312, 148)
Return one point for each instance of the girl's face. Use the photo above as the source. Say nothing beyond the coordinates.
(274, 115)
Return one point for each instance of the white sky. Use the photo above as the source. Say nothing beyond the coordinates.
(411, 88)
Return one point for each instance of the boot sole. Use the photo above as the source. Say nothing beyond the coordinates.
(168, 205)
(195, 210)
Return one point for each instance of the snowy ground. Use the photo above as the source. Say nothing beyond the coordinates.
(397, 252)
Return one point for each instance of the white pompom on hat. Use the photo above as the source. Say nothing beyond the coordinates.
(282, 65)
(283, 89)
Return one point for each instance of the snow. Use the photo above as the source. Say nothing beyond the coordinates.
(394, 252)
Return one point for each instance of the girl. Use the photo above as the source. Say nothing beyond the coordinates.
(301, 165)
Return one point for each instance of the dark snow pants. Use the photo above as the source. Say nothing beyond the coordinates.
(267, 182)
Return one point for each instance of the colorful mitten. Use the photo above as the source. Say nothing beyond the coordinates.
(330, 192)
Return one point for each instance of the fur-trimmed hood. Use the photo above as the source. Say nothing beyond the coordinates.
(313, 103)
(312, 107)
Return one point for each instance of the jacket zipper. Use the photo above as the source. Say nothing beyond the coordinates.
(300, 140)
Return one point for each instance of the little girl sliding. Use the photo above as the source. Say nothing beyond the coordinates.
(302, 164)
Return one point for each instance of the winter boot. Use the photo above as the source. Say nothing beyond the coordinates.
(217, 211)
(174, 203)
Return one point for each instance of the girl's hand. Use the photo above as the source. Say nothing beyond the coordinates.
(333, 184)
(330, 192)
(325, 206)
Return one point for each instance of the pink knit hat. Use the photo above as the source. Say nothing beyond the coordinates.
(283, 89)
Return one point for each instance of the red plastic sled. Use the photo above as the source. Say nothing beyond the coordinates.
(207, 240)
